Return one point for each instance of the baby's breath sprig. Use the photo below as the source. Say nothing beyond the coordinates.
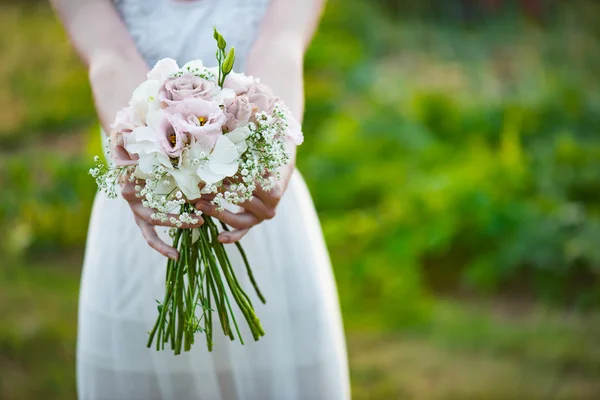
(107, 178)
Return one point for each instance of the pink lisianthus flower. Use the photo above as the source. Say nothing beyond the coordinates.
(172, 139)
(202, 119)
(262, 97)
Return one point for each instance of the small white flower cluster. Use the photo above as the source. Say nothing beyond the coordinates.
(168, 207)
(107, 178)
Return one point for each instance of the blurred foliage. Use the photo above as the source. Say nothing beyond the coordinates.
(439, 156)
(450, 147)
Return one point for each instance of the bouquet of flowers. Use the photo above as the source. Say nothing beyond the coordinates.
(195, 132)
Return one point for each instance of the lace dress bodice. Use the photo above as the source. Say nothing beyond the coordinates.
(183, 30)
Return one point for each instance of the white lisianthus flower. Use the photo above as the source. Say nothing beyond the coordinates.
(163, 70)
(144, 101)
(221, 163)
(238, 137)
(145, 142)
(186, 175)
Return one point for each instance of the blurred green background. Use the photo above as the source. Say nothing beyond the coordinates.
(453, 154)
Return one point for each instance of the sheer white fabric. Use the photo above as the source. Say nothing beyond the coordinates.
(303, 354)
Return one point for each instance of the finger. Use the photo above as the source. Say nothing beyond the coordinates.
(149, 233)
(271, 197)
(257, 207)
(232, 236)
(145, 213)
(205, 196)
(237, 220)
(128, 192)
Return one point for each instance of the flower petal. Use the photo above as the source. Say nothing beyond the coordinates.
(205, 173)
(163, 69)
(187, 182)
(227, 169)
(224, 151)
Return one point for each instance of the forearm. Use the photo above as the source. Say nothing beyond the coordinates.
(278, 53)
(105, 46)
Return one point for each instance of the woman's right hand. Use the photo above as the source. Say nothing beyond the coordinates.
(147, 225)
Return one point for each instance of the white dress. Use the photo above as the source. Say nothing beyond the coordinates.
(303, 354)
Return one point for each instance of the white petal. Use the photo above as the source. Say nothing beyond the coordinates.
(162, 188)
(163, 69)
(224, 151)
(187, 183)
(147, 91)
(193, 65)
(227, 169)
(241, 147)
(147, 164)
(238, 137)
(239, 134)
(205, 173)
(225, 93)
(145, 134)
(155, 117)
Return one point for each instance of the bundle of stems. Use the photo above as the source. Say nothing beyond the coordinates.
(199, 284)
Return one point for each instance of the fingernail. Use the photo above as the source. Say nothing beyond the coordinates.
(173, 256)
(225, 239)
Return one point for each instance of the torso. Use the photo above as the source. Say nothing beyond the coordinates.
(183, 30)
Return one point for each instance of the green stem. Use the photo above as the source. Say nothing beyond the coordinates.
(248, 269)
(245, 307)
(216, 282)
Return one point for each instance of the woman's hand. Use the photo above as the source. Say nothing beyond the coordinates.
(143, 219)
(262, 207)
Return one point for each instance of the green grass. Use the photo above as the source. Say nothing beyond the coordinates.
(468, 350)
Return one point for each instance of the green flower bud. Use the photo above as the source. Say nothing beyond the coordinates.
(229, 60)
(221, 43)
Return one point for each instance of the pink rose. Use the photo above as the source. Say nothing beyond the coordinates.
(184, 87)
(120, 130)
(201, 118)
(239, 83)
(238, 110)
(262, 97)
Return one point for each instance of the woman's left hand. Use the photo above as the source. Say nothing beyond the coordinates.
(261, 207)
